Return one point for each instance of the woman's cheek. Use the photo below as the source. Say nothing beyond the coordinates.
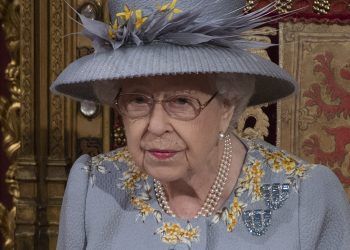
(137, 154)
(133, 138)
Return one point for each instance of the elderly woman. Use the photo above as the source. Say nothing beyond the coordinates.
(180, 79)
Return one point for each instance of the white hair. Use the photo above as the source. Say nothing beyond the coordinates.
(234, 90)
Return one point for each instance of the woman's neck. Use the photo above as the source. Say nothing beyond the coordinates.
(187, 196)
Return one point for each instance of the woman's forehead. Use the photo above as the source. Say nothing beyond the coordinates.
(192, 83)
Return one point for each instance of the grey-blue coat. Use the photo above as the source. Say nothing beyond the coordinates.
(97, 212)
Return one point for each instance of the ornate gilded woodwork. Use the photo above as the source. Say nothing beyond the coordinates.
(90, 146)
(26, 173)
(260, 128)
(56, 131)
(315, 123)
(95, 130)
(39, 128)
(9, 117)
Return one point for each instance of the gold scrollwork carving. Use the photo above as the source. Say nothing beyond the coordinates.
(9, 115)
(260, 128)
(261, 125)
(26, 78)
(56, 145)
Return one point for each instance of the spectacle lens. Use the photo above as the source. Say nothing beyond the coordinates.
(181, 107)
(134, 105)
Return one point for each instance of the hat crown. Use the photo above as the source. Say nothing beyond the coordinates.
(207, 37)
(148, 6)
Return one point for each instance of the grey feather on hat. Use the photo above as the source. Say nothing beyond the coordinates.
(178, 37)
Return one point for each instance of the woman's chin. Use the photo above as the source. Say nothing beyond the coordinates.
(164, 169)
(165, 178)
(165, 173)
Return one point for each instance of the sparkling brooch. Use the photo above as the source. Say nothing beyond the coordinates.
(257, 221)
(275, 195)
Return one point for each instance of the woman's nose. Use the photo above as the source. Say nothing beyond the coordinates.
(159, 120)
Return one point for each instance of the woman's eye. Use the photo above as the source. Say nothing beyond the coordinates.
(182, 100)
(139, 100)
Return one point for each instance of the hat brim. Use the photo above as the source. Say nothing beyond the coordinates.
(77, 80)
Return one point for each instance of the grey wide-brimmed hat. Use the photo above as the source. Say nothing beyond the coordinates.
(152, 37)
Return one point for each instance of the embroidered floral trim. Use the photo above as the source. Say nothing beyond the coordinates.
(230, 215)
(173, 233)
(280, 160)
(95, 165)
(251, 180)
(135, 183)
(132, 179)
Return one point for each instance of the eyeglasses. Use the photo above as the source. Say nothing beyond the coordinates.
(181, 107)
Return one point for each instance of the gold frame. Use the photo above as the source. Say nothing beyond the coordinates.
(40, 129)
(9, 118)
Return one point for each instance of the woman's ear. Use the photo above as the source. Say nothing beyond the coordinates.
(227, 111)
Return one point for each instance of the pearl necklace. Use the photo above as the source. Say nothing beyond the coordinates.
(215, 191)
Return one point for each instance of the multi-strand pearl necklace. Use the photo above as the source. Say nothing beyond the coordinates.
(215, 191)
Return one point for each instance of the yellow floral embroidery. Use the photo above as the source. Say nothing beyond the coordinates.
(173, 233)
(123, 155)
(230, 215)
(131, 179)
(144, 208)
(279, 160)
(289, 165)
(235, 210)
(251, 180)
(276, 167)
(237, 206)
(135, 183)
(300, 171)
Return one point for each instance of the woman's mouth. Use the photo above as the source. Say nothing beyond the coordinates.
(162, 154)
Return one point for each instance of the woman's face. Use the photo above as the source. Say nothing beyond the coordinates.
(169, 149)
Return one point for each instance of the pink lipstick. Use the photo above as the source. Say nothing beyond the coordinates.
(162, 154)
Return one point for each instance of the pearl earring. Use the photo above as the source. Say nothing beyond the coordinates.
(221, 135)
